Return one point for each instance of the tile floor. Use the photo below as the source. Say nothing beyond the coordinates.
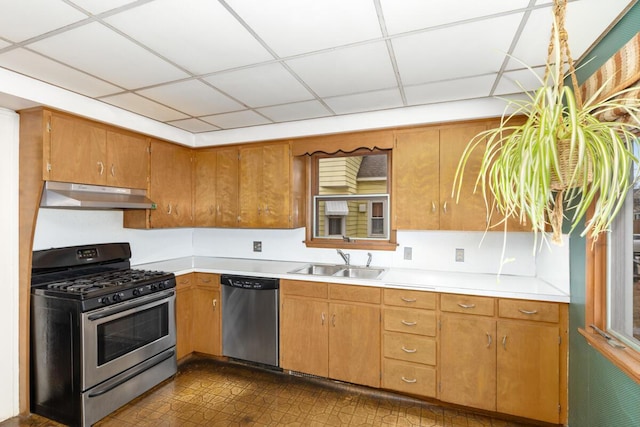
(208, 392)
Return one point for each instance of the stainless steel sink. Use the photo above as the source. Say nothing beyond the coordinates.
(319, 269)
(360, 272)
(338, 270)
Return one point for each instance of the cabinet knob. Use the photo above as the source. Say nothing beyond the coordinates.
(113, 170)
(100, 168)
(169, 209)
(215, 303)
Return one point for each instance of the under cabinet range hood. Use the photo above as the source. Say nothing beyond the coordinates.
(68, 195)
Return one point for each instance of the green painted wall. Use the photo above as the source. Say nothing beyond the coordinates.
(600, 395)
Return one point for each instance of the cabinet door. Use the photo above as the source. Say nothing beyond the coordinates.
(416, 181)
(528, 371)
(170, 186)
(77, 152)
(204, 176)
(468, 361)
(354, 344)
(251, 187)
(304, 341)
(184, 315)
(227, 187)
(276, 185)
(127, 160)
(206, 321)
(470, 212)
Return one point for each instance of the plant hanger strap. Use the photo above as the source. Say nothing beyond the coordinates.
(559, 12)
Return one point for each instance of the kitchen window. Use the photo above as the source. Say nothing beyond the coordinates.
(350, 200)
(613, 289)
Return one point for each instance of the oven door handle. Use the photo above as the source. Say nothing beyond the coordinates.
(136, 371)
(129, 306)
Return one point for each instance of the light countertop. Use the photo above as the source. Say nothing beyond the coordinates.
(505, 286)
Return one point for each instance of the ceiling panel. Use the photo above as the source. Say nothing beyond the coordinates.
(292, 27)
(41, 68)
(99, 6)
(95, 49)
(236, 119)
(451, 52)
(192, 33)
(349, 70)
(192, 97)
(368, 101)
(517, 81)
(145, 107)
(261, 86)
(194, 125)
(24, 19)
(411, 15)
(295, 111)
(472, 87)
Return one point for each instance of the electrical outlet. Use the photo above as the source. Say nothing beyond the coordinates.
(257, 246)
(407, 253)
(459, 255)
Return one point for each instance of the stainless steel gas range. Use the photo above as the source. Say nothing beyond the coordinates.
(101, 332)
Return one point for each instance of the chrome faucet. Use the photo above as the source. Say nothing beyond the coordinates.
(369, 258)
(344, 256)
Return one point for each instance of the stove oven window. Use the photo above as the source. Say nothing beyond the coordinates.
(126, 334)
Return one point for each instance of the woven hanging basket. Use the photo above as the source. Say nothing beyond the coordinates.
(567, 164)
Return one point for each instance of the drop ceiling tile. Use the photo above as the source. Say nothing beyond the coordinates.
(194, 125)
(345, 71)
(369, 101)
(236, 119)
(99, 6)
(145, 107)
(4, 44)
(199, 35)
(41, 68)
(453, 52)
(411, 15)
(260, 86)
(24, 19)
(97, 50)
(516, 81)
(192, 97)
(292, 27)
(451, 90)
(586, 20)
(295, 111)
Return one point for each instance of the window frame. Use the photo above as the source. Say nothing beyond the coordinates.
(626, 359)
(389, 244)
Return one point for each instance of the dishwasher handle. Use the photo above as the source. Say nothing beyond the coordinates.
(250, 282)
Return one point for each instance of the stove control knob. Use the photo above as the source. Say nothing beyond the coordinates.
(154, 287)
(104, 300)
(136, 292)
(116, 298)
(161, 285)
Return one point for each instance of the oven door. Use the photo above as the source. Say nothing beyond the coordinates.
(118, 337)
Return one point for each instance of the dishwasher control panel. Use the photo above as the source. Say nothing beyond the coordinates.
(250, 282)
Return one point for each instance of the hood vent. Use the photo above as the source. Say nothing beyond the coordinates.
(68, 195)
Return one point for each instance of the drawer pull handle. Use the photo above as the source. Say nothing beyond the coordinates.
(504, 342)
(322, 318)
(467, 305)
(433, 207)
(408, 299)
(404, 322)
(527, 311)
(215, 303)
(333, 320)
(410, 381)
(409, 350)
(489, 340)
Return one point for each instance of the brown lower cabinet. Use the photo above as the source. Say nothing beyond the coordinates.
(198, 314)
(331, 331)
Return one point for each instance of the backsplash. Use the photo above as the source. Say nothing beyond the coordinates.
(431, 250)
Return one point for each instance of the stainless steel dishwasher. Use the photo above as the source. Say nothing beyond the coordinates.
(250, 318)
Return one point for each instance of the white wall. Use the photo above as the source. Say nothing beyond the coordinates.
(9, 284)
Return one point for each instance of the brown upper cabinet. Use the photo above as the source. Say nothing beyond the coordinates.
(170, 187)
(86, 152)
(216, 187)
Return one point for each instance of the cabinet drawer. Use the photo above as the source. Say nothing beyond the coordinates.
(183, 281)
(412, 299)
(410, 320)
(304, 289)
(484, 306)
(409, 378)
(412, 348)
(354, 293)
(529, 310)
(206, 280)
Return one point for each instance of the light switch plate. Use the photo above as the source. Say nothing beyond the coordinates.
(407, 253)
(257, 246)
(459, 255)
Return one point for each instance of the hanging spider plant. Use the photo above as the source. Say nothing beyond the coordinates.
(562, 154)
